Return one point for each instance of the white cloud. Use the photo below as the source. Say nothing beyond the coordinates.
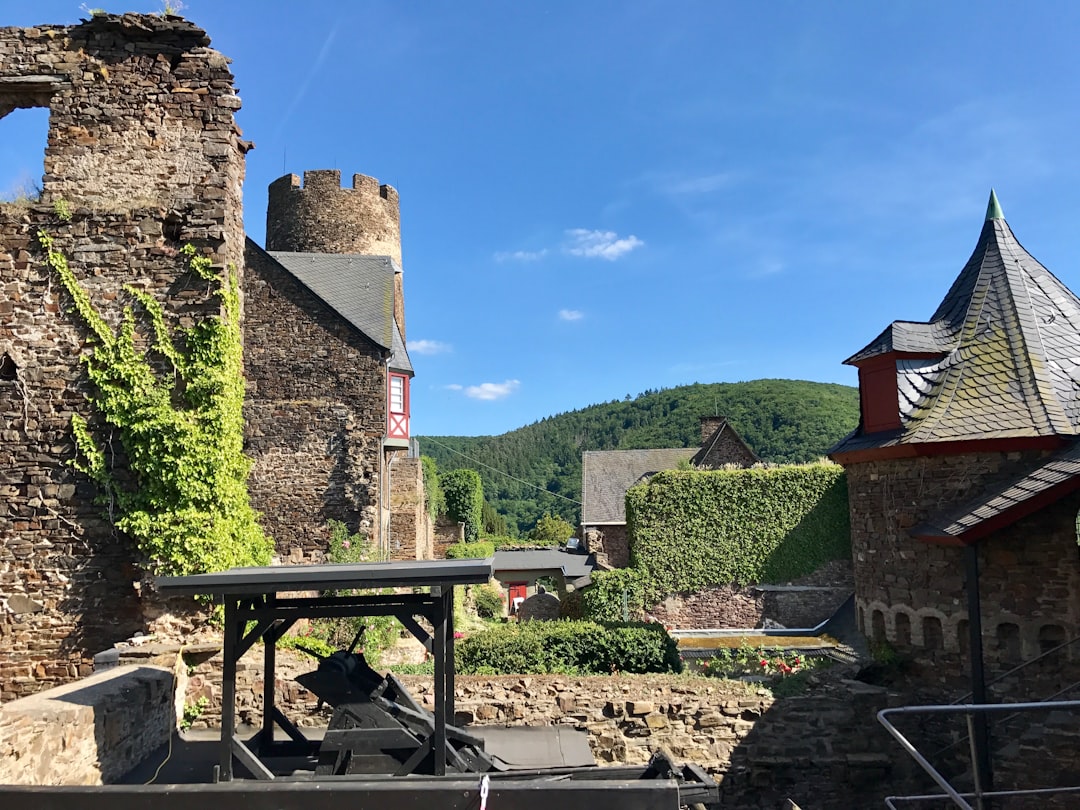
(571, 314)
(453, 387)
(429, 347)
(600, 244)
(491, 391)
(520, 255)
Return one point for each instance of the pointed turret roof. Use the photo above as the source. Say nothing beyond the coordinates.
(999, 358)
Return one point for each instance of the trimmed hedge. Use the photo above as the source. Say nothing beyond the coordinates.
(469, 551)
(603, 599)
(568, 647)
(695, 529)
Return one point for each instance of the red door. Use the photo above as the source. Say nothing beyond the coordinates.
(519, 591)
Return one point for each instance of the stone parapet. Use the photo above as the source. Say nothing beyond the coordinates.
(89, 732)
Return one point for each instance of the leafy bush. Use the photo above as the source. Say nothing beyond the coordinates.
(503, 541)
(693, 530)
(380, 632)
(464, 500)
(569, 647)
(488, 602)
(551, 530)
(469, 551)
(602, 601)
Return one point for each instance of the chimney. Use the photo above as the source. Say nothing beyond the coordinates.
(709, 426)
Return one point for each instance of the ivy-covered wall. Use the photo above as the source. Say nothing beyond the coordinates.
(158, 166)
(690, 530)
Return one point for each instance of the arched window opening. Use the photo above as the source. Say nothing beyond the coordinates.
(933, 638)
(1050, 636)
(903, 630)
(1008, 641)
(877, 618)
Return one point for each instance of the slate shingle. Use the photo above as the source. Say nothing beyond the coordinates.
(1007, 340)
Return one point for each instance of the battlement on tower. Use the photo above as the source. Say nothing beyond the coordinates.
(322, 217)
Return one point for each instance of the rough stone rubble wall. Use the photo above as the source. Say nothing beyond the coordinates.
(143, 149)
(87, 733)
(912, 594)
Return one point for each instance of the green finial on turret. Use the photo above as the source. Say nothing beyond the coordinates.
(993, 208)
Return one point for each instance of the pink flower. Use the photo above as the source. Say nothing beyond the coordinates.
(345, 544)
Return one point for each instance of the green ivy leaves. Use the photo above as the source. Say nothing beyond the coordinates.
(693, 530)
(177, 408)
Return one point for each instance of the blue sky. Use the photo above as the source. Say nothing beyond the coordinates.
(600, 198)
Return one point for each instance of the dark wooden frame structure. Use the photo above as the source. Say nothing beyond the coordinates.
(258, 598)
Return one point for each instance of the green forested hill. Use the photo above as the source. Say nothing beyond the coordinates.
(781, 420)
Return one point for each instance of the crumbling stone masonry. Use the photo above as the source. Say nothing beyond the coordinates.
(144, 152)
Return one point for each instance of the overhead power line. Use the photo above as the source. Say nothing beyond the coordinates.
(501, 472)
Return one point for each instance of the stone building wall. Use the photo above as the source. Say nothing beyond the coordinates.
(912, 594)
(314, 413)
(411, 535)
(727, 449)
(805, 602)
(446, 533)
(143, 150)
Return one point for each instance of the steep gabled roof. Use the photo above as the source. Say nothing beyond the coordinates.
(607, 474)
(360, 288)
(1001, 353)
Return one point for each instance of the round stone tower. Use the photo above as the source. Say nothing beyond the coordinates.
(323, 217)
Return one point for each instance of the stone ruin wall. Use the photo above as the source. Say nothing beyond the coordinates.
(911, 594)
(411, 531)
(805, 602)
(314, 414)
(143, 149)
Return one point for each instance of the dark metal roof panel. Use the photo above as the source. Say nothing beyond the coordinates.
(282, 578)
(548, 559)
(955, 522)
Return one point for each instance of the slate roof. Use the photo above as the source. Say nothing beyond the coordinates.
(358, 287)
(607, 474)
(573, 566)
(1059, 472)
(1006, 346)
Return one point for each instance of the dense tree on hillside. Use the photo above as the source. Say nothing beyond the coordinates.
(781, 421)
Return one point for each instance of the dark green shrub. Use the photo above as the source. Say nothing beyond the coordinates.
(464, 500)
(569, 647)
(488, 601)
(603, 600)
(470, 551)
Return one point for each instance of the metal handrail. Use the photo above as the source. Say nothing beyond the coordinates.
(969, 710)
(1005, 675)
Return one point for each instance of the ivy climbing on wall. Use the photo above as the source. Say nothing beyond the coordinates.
(175, 401)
